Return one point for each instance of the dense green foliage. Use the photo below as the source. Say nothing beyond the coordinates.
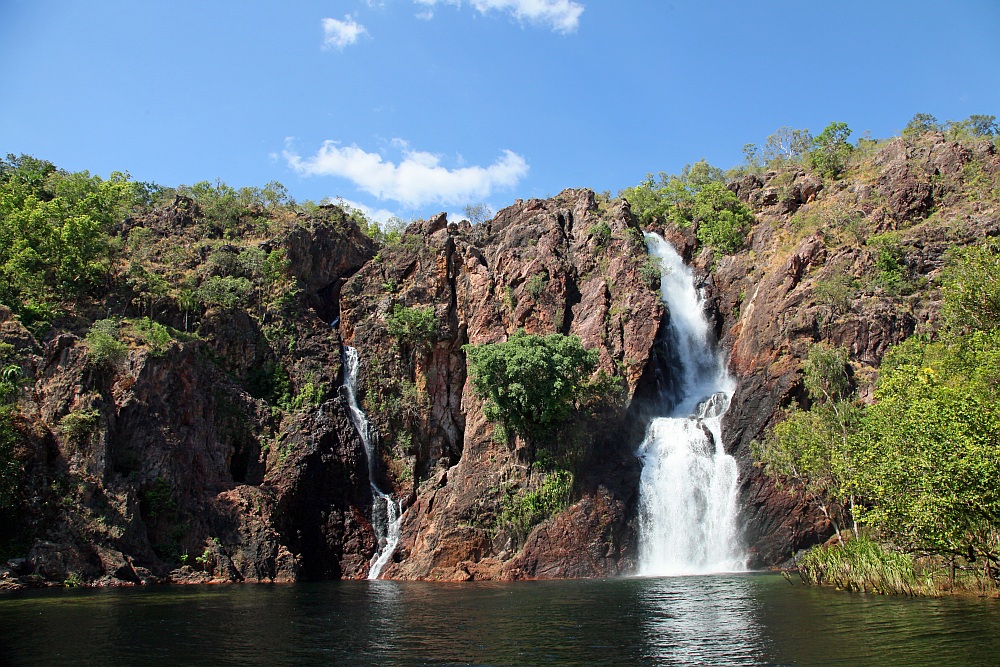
(723, 220)
(810, 449)
(698, 195)
(531, 384)
(670, 197)
(411, 326)
(971, 286)
(105, 349)
(831, 150)
(929, 449)
(55, 233)
(920, 469)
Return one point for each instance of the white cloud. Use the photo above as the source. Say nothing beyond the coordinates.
(560, 15)
(419, 179)
(338, 34)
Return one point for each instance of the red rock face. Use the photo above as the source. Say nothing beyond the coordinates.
(774, 299)
(558, 266)
(264, 495)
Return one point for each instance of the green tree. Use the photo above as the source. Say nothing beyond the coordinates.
(831, 150)
(921, 123)
(970, 285)
(811, 449)
(669, 198)
(723, 220)
(929, 448)
(532, 384)
(54, 232)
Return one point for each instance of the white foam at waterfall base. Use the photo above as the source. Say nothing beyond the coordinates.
(688, 489)
(386, 512)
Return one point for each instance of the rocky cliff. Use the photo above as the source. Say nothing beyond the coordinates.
(223, 451)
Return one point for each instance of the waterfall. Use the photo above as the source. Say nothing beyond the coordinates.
(688, 488)
(386, 512)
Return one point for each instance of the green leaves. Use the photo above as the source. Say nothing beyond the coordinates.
(831, 150)
(671, 197)
(54, 231)
(412, 326)
(971, 289)
(929, 449)
(531, 384)
(723, 220)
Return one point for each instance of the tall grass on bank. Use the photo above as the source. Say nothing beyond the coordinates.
(864, 566)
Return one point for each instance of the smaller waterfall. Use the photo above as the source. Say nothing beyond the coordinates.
(688, 488)
(386, 512)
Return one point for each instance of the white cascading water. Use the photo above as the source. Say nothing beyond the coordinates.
(386, 512)
(688, 489)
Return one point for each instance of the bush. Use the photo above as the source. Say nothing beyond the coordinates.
(523, 510)
(723, 220)
(225, 291)
(536, 284)
(105, 350)
(652, 271)
(601, 233)
(531, 384)
(412, 326)
(889, 262)
(152, 334)
(970, 285)
(78, 425)
(862, 565)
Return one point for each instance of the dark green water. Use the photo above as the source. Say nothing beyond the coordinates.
(711, 620)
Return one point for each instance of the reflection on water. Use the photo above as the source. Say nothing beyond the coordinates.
(711, 622)
(705, 620)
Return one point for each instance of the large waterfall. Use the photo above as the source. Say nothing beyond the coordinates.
(687, 492)
(385, 510)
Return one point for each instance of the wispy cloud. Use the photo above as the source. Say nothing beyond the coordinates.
(560, 15)
(419, 178)
(338, 34)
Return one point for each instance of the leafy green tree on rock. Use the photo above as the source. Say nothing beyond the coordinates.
(532, 384)
(831, 150)
(811, 450)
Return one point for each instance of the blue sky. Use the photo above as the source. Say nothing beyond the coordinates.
(419, 106)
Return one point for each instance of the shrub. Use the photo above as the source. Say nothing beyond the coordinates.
(522, 510)
(536, 284)
(531, 384)
(652, 271)
(105, 350)
(412, 326)
(889, 262)
(862, 565)
(152, 334)
(78, 425)
(225, 291)
(723, 220)
(601, 233)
